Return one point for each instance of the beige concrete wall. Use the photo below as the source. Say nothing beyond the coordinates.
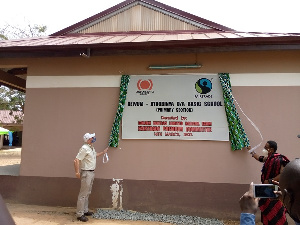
(213, 62)
(56, 118)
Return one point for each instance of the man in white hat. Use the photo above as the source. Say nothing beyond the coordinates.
(86, 161)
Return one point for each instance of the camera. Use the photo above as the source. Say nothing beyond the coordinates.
(264, 190)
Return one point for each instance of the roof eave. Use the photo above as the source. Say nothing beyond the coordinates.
(153, 47)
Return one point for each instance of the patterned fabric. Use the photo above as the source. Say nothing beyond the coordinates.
(114, 136)
(237, 135)
(271, 167)
(272, 211)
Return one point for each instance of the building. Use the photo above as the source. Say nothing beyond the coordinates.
(72, 87)
(12, 120)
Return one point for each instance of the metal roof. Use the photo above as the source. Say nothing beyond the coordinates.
(145, 42)
(73, 41)
(7, 117)
(135, 37)
(218, 38)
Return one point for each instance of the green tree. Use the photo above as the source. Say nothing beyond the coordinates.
(12, 100)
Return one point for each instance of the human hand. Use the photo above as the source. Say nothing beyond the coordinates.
(278, 193)
(78, 175)
(105, 150)
(248, 203)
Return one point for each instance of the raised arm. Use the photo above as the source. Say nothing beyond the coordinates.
(102, 153)
(258, 157)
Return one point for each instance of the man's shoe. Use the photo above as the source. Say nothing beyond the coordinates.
(82, 218)
(88, 213)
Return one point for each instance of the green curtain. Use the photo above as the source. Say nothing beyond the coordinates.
(237, 135)
(114, 135)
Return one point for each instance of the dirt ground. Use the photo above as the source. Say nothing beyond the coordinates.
(34, 214)
(10, 159)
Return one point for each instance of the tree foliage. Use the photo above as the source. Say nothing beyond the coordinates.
(11, 99)
(15, 32)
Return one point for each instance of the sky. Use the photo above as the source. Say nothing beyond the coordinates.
(273, 16)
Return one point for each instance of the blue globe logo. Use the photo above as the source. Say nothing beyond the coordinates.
(203, 86)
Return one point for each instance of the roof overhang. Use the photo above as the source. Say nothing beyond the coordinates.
(12, 81)
(136, 43)
(147, 43)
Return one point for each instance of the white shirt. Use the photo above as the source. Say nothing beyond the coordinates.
(87, 156)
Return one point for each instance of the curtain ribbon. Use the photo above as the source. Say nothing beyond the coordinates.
(237, 135)
(114, 136)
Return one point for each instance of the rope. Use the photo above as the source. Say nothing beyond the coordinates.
(253, 124)
(105, 158)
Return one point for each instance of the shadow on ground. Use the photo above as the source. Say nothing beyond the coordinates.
(12, 170)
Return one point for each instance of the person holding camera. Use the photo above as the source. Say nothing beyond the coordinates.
(272, 211)
(249, 206)
(288, 194)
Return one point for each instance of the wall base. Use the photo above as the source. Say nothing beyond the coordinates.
(168, 197)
